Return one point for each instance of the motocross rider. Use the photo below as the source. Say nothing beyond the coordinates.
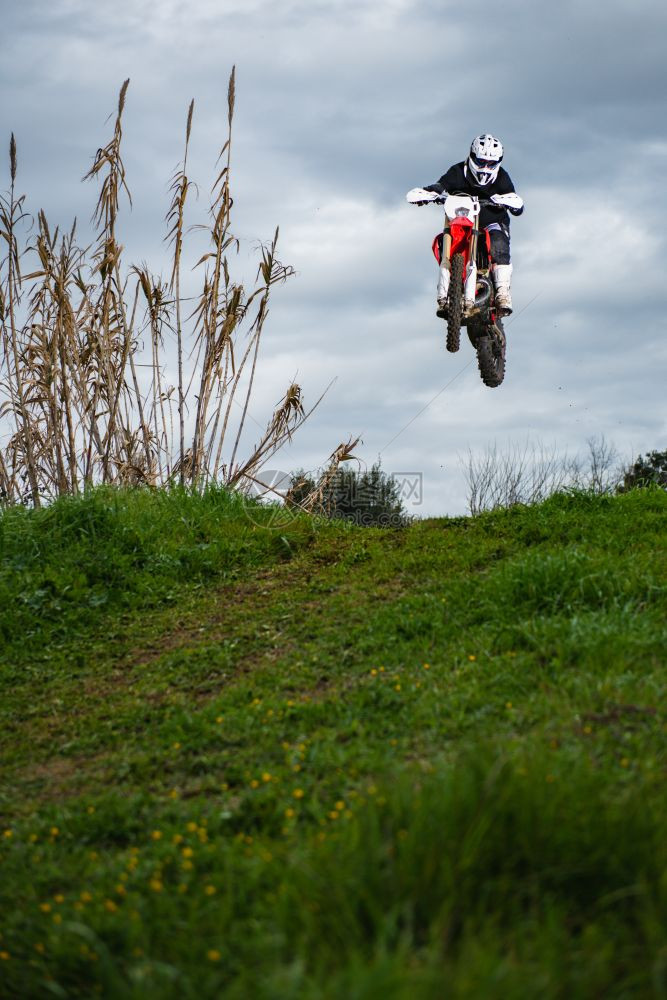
(481, 175)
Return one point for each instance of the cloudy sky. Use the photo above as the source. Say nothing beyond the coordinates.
(342, 106)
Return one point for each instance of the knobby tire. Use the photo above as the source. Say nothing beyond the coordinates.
(490, 349)
(455, 303)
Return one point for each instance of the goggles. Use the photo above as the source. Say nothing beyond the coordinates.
(484, 164)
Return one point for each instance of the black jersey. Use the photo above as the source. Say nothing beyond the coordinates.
(459, 180)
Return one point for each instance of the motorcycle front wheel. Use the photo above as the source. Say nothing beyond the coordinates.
(490, 348)
(455, 303)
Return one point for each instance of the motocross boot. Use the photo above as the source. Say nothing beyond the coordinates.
(443, 288)
(502, 277)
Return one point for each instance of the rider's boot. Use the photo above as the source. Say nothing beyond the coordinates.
(502, 278)
(443, 288)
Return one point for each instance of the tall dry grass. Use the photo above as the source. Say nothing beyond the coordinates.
(80, 330)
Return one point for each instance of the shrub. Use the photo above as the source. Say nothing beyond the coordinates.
(368, 498)
(647, 470)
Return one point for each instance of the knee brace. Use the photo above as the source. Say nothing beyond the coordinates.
(500, 243)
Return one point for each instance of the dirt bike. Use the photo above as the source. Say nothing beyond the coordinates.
(471, 294)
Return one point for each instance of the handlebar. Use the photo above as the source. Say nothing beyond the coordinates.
(441, 199)
(423, 196)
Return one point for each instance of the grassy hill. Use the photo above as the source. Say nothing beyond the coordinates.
(259, 760)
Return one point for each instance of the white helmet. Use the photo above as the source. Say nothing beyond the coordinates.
(486, 152)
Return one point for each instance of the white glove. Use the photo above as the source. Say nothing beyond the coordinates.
(512, 201)
(419, 196)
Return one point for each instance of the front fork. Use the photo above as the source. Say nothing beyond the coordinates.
(470, 285)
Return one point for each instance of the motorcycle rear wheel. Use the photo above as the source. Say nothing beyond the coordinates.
(490, 348)
(455, 303)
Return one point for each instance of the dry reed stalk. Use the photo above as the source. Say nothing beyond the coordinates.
(180, 186)
(218, 314)
(158, 313)
(111, 339)
(314, 502)
(10, 215)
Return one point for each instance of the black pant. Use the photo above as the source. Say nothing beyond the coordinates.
(499, 234)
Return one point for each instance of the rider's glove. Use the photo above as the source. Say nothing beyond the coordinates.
(511, 201)
(420, 196)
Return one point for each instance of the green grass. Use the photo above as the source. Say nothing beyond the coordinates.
(243, 759)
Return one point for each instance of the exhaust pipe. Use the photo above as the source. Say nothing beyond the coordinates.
(482, 293)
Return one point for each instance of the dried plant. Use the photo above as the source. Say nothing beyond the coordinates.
(529, 473)
(319, 499)
(86, 343)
